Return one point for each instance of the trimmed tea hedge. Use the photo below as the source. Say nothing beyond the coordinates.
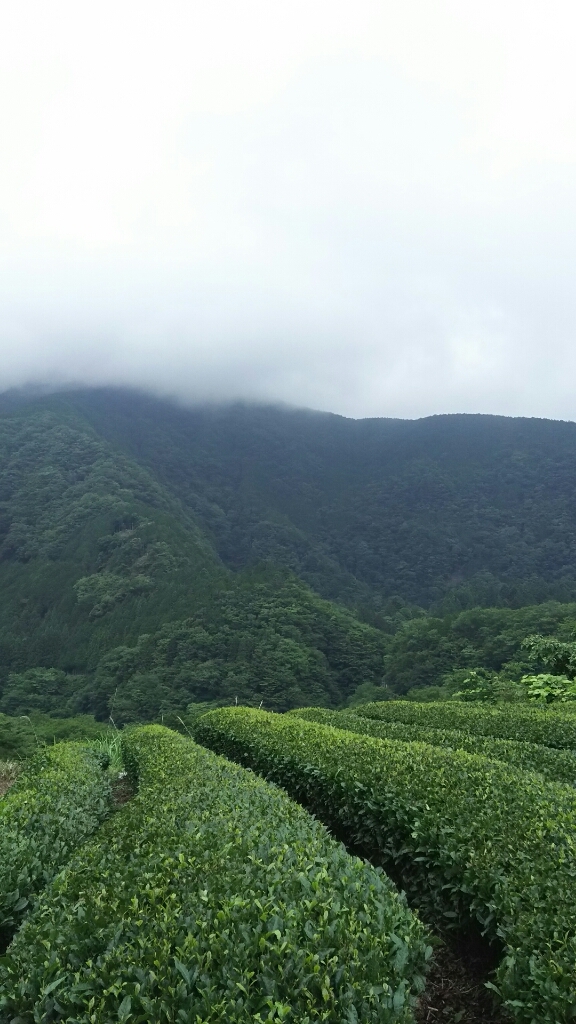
(58, 800)
(506, 721)
(213, 897)
(470, 838)
(557, 765)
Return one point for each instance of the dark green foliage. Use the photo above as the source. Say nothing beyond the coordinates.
(92, 550)
(476, 684)
(551, 728)
(366, 693)
(267, 638)
(558, 656)
(57, 801)
(213, 897)
(453, 511)
(130, 529)
(556, 765)
(111, 601)
(20, 737)
(471, 839)
(45, 690)
(425, 651)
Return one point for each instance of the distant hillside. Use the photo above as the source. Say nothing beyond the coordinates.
(92, 548)
(151, 555)
(112, 597)
(448, 511)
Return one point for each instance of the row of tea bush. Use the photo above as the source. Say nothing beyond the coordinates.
(211, 896)
(471, 840)
(556, 765)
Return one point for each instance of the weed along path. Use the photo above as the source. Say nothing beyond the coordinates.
(8, 773)
(476, 844)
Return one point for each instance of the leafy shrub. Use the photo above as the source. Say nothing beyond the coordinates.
(58, 799)
(213, 897)
(557, 765)
(551, 728)
(550, 688)
(472, 840)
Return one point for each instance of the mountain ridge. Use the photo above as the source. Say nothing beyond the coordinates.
(324, 476)
(152, 555)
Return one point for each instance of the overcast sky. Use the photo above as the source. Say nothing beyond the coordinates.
(363, 207)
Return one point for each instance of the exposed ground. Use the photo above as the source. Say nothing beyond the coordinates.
(122, 790)
(456, 992)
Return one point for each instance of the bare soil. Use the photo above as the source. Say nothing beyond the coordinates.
(122, 790)
(456, 990)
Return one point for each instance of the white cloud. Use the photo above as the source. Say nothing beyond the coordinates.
(362, 206)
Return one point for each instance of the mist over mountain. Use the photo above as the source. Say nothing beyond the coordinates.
(152, 555)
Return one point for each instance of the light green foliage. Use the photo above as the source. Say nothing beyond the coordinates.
(212, 897)
(557, 655)
(550, 728)
(548, 688)
(470, 838)
(556, 765)
(109, 745)
(58, 799)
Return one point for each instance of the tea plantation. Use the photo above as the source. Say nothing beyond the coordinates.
(472, 840)
(211, 896)
(214, 895)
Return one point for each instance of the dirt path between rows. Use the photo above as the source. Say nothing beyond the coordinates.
(456, 992)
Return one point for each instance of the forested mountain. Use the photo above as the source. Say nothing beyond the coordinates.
(112, 598)
(448, 511)
(152, 555)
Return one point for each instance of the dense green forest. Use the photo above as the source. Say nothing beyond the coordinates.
(446, 512)
(152, 556)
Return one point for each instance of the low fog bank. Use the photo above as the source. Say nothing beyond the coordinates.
(365, 208)
(397, 357)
